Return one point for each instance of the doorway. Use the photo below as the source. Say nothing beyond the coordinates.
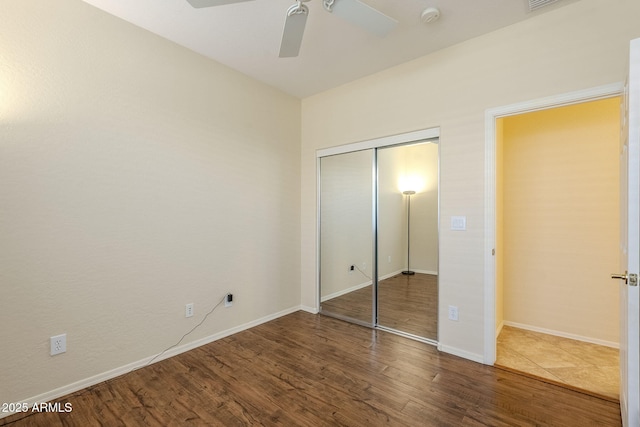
(557, 234)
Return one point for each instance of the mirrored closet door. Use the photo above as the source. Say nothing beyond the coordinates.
(378, 221)
(346, 236)
(407, 240)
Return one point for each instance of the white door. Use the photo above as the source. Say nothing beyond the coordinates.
(629, 244)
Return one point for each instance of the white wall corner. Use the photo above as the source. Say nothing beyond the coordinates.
(308, 309)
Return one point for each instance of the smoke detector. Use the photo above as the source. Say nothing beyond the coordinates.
(430, 14)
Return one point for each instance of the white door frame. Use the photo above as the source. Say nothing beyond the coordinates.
(593, 94)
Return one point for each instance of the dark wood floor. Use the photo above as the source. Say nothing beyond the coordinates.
(313, 370)
(406, 303)
(410, 304)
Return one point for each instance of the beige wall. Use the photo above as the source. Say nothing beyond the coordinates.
(392, 213)
(561, 220)
(346, 222)
(136, 177)
(417, 163)
(582, 45)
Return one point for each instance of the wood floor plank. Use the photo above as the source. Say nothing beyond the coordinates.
(312, 370)
(405, 303)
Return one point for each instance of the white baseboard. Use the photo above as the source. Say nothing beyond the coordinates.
(395, 273)
(104, 376)
(432, 273)
(308, 309)
(461, 353)
(345, 291)
(562, 334)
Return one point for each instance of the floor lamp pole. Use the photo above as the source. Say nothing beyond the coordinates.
(408, 193)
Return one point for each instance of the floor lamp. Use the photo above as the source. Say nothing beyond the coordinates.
(408, 193)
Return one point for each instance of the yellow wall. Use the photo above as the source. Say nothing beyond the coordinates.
(561, 219)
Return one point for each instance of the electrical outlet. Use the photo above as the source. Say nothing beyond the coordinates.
(389, 259)
(453, 313)
(228, 300)
(188, 310)
(352, 268)
(58, 344)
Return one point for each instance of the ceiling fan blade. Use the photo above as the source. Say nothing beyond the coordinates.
(209, 3)
(362, 15)
(293, 30)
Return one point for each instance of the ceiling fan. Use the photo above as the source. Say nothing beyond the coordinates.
(354, 11)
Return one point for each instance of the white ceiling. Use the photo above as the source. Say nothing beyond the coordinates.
(246, 36)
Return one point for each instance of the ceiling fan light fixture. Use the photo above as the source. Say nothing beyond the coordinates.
(298, 9)
(353, 11)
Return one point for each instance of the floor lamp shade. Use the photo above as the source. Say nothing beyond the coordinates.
(408, 193)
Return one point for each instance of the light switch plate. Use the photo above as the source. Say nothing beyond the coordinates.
(459, 223)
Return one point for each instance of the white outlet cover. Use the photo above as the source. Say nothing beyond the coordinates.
(188, 310)
(453, 313)
(58, 344)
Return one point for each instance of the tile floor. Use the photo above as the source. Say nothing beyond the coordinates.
(581, 365)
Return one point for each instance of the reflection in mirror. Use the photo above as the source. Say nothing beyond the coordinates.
(346, 236)
(408, 239)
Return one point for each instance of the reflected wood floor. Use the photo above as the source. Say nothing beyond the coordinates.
(405, 303)
(312, 370)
